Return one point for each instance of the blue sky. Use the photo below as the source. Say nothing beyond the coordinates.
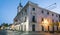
(8, 8)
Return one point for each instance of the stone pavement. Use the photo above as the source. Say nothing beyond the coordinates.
(9, 32)
(40, 33)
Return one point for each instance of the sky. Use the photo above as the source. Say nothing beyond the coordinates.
(8, 8)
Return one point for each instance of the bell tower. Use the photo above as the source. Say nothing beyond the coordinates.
(19, 7)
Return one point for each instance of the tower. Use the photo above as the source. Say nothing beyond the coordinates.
(19, 7)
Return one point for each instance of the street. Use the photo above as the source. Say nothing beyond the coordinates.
(8, 32)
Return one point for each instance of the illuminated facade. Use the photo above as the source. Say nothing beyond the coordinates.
(31, 17)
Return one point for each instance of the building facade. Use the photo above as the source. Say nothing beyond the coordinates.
(31, 17)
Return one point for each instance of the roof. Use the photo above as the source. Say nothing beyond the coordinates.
(29, 2)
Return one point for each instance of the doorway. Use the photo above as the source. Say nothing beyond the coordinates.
(33, 27)
(42, 28)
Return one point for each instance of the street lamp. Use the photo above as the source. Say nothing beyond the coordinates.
(45, 22)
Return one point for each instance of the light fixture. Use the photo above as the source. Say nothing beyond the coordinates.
(45, 22)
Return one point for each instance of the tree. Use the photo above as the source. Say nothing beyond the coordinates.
(5, 24)
(10, 24)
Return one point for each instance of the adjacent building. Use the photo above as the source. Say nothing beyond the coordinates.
(31, 17)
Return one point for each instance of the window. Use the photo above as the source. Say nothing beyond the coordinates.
(42, 19)
(52, 14)
(22, 13)
(56, 15)
(47, 13)
(59, 20)
(33, 19)
(42, 11)
(25, 19)
(52, 20)
(56, 20)
(16, 20)
(25, 10)
(59, 16)
(33, 9)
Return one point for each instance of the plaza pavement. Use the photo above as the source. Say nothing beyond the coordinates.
(9, 32)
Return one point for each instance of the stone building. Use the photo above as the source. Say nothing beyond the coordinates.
(31, 17)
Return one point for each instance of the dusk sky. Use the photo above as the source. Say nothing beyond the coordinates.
(8, 8)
